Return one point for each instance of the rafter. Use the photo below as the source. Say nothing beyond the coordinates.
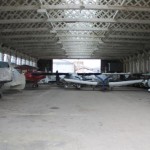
(74, 29)
(28, 41)
(92, 20)
(27, 36)
(74, 7)
(125, 41)
(25, 29)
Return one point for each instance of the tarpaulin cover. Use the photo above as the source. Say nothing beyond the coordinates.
(5, 74)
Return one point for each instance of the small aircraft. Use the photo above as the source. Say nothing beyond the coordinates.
(101, 80)
(10, 78)
(147, 81)
(31, 74)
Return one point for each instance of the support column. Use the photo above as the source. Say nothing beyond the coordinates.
(2, 54)
(139, 67)
(149, 61)
(124, 65)
(16, 57)
(144, 59)
(134, 64)
(21, 60)
(128, 65)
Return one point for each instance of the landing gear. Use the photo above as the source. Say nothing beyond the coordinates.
(110, 88)
(93, 87)
(1, 94)
(35, 85)
(78, 86)
(66, 86)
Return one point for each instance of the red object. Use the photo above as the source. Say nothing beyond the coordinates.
(29, 74)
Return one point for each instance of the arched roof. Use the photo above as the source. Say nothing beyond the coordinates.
(76, 28)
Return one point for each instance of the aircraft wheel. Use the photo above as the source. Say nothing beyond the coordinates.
(66, 86)
(78, 86)
(35, 85)
(93, 87)
(1, 95)
(111, 88)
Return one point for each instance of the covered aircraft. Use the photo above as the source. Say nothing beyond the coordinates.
(5, 75)
(10, 78)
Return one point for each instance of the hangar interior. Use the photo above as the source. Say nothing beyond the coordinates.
(49, 29)
(34, 32)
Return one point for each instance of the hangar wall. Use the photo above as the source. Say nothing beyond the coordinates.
(139, 63)
(111, 66)
(15, 56)
(45, 64)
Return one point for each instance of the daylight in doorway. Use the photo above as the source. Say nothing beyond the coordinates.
(77, 65)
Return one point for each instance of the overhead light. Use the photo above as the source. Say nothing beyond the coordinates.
(41, 11)
(63, 49)
(53, 31)
(100, 42)
(59, 42)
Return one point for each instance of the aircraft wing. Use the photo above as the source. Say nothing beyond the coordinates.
(123, 73)
(124, 83)
(61, 73)
(45, 73)
(146, 74)
(80, 82)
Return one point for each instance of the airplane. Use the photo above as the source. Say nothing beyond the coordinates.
(101, 80)
(5, 75)
(10, 78)
(31, 75)
(147, 81)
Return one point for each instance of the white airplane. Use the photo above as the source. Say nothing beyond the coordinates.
(10, 78)
(100, 80)
(147, 81)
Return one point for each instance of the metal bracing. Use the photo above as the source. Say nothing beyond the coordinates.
(137, 63)
(90, 20)
(76, 28)
(75, 7)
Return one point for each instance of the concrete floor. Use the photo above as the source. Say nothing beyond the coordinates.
(60, 119)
